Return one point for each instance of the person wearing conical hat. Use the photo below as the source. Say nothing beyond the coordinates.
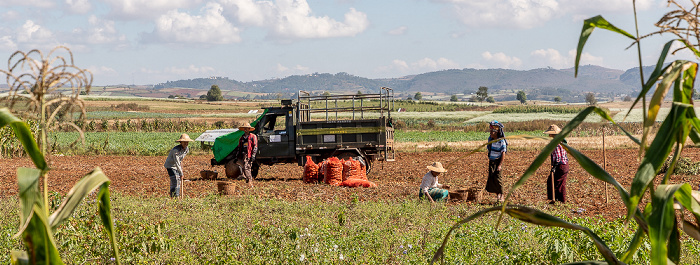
(556, 182)
(173, 164)
(429, 186)
(247, 149)
(496, 153)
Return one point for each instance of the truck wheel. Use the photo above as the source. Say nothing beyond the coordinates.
(232, 169)
(346, 155)
(254, 169)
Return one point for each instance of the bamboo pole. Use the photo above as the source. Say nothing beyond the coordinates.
(604, 156)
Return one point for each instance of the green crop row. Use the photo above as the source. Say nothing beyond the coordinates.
(539, 109)
(249, 230)
(117, 143)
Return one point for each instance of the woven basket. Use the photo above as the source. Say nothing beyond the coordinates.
(208, 174)
(459, 195)
(474, 194)
(226, 188)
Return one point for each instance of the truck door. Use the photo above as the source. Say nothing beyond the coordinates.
(274, 138)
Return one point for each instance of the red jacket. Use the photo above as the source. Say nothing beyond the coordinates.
(251, 146)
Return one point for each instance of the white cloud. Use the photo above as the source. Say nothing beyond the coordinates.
(34, 34)
(419, 66)
(500, 60)
(10, 15)
(297, 69)
(210, 27)
(292, 19)
(100, 32)
(7, 43)
(33, 3)
(146, 9)
(398, 31)
(552, 58)
(78, 6)
(102, 71)
(191, 70)
(525, 14)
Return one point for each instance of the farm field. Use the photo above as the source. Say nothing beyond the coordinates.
(327, 224)
(281, 219)
(396, 181)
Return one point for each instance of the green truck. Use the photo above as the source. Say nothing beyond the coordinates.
(318, 126)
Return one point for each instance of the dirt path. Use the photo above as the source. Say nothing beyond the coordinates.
(145, 176)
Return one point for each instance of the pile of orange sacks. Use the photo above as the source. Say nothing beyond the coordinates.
(336, 172)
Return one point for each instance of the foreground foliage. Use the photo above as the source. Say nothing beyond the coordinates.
(656, 218)
(247, 230)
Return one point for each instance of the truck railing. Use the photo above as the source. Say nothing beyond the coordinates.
(359, 104)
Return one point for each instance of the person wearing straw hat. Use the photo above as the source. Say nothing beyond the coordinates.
(173, 164)
(247, 149)
(496, 153)
(430, 187)
(556, 182)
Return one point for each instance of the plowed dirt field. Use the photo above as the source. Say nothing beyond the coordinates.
(145, 176)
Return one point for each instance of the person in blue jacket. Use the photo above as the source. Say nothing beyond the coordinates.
(496, 154)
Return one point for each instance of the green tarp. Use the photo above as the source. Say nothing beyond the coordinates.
(225, 144)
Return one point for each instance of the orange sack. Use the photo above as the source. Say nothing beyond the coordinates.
(310, 171)
(358, 183)
(352, 169)
(334, 171)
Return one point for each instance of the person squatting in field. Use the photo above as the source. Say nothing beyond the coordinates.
(173, 164)
(430, 187)
(556, 182)
(247, 149)
(496, 154)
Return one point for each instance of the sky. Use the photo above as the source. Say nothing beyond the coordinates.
(153, 41)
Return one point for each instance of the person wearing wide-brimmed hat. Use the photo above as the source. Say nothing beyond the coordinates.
(247, 149)
(556, 182)
(496, 153)
(430, 187)
(173, 164)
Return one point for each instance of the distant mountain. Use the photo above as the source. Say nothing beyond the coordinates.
(542, 83)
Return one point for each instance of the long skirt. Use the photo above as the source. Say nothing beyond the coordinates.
(494, 183)
(560, 174)
(436, 193)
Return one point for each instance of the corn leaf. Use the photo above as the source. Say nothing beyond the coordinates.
(544, 155)
(673, 74)
(39, 241)
(104, 209)
(691, 229)
(656, 155)
(18, 257)
(588, 26)
(29, 195)
(76, 195)
(633, 246)
(655, 75)
(24, 135)
(536, 217)
(662, 222)
(441, 251)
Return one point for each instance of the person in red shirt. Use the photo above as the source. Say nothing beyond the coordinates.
(556, 182)
(247, 149)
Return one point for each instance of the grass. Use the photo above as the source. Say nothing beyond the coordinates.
(241, 230)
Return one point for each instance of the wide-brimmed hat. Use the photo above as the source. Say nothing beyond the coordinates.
(246, 127)
(553, 129)
(184, 138)
(437, 167)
